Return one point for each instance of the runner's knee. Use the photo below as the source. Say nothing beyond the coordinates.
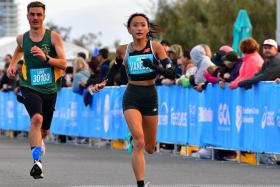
(37, 120)
(150, 149)
(139, 143)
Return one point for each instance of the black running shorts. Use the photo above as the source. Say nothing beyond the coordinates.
(36, 102)
(142, 98)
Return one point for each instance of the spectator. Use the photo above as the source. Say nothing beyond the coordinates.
(166, 45)
(200, 57)
(175, 53)
(271, 67)
(232, 66)
(102, 57)
(189, 69)
(80, 76)
(82, 55)
(251, 61)
(7, 84)
(67, 77)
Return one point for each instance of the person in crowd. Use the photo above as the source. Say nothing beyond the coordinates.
(200, 56)
(232, 66)
(175, 53)
(166, 45)
(82, 55)
(140, 106)
(271, 67)
(6, 84)
(251, 61)
(189, 70)
(44, 59)
(80, 75)
(67, 77)
(103, 58)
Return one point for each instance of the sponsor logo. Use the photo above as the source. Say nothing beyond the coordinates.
(223, 114)
(178, 118)
(245, 115)
(163, 116)
(192, 115)
(205, 114)
(267, 118)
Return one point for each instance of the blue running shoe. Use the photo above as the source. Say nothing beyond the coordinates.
(130, 143)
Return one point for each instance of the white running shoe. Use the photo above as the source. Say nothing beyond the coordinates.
(36, 171)
(43, 148)
(147, 184)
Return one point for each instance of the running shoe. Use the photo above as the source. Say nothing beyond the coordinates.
(147, 184)
(43, 148)
(130, 144)
(36, 170)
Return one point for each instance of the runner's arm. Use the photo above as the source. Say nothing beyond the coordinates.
(59, 62)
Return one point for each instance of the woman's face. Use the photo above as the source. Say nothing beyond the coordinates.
(138, 27)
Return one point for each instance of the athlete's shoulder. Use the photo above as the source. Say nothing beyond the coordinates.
(19, 39)
(156, 44)
(55, 37)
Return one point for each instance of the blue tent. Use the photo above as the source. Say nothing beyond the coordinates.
(242, 29)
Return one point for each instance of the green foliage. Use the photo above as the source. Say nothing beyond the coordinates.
(191, 22)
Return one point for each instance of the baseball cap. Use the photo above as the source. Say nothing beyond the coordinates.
(271, 42)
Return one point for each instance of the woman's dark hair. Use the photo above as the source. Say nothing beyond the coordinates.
(153, 28)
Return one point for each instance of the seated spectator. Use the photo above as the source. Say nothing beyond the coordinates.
(80, 76)
(271, 67)
(251, 61)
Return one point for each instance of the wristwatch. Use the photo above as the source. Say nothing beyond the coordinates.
(47, 59)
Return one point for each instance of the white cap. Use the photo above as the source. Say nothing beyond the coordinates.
(271, 42)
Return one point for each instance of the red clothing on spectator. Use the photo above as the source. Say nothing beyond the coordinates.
(251, 64)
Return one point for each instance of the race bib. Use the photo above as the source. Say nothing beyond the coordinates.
(135, 64)
(41, 76)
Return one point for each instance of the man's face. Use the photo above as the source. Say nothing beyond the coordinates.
(36, 16)
(269, 51)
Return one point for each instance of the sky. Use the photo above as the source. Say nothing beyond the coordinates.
(84, 16)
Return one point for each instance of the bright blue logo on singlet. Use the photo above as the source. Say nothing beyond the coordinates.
(135, 64)
(40, 76)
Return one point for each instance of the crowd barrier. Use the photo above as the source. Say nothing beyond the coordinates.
(247, 120)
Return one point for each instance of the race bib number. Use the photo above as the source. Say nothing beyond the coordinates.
(135, 64)
(41, 76)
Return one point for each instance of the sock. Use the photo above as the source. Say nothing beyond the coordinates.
(36, 153)
(140, 184)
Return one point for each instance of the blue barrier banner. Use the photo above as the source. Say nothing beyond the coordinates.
(237, 119)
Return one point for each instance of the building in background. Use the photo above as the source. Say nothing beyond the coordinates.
(8, 18)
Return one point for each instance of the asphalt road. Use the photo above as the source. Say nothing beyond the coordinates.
(80, 165)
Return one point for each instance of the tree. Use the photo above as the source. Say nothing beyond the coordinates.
(63, 31)
(191, 22)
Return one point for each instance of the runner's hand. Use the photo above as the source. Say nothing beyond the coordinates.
(99, 86)
(36, 51)
(11, 71)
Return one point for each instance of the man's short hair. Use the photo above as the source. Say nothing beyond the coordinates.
(104, 53)
(36, 4)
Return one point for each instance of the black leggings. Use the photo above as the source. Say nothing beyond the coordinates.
(39, 103)
(142, 98)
